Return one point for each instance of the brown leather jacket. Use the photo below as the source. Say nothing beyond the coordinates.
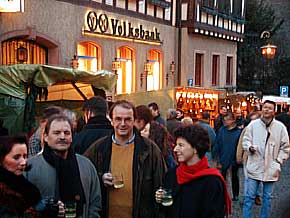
(148, 171)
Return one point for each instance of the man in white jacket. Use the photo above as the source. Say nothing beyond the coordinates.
(267, 143)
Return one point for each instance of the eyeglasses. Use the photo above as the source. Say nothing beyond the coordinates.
(127, 120)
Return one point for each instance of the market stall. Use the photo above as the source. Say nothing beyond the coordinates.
(193, 101)
(24, 84)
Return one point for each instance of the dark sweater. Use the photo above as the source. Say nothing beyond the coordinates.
(203, 197)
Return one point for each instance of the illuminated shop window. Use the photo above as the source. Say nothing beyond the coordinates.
(89, 56)
(18, 51)
(153, 77)
(125, 73)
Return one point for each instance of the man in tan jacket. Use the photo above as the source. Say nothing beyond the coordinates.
(242, 156)
(267, 144)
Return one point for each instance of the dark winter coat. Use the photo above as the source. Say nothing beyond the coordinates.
(199, 198)
(17, 196)
(225, 147)
(96, 128)
(148, 171)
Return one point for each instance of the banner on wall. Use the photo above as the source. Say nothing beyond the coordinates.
(11, 5)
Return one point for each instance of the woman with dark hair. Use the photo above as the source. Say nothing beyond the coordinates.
(159, 134)
(19, 197)
(197, 190)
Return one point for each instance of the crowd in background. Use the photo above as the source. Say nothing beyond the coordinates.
(71, 164)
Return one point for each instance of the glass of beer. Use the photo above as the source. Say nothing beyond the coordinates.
(167, 199)
(70, 210)
(118, 181)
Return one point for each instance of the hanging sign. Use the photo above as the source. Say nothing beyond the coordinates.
(11, 5)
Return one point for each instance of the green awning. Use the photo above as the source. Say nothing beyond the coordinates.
(14, 79)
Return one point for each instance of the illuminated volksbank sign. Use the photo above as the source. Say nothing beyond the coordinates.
(102, 26)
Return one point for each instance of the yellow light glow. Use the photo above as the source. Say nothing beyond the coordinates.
(129, 76)
(87, 33)
(156, 75)
(119, 81)
(178, 94)
(82, 64)
(12, 6)
(244, 104)
(150, 82)
(94, 64)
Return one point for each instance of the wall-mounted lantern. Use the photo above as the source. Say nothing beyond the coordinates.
(268, 51)
(147, 71)
(74, 62)
(21, 54)
(172, 71)
(116, 65)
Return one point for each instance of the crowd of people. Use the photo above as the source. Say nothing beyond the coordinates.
(130, 162)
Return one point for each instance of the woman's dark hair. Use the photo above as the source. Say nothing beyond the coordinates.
(7, 143)
(159, 134)
(143, 113)
(196, 136)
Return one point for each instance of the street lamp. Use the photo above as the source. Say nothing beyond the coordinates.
(75, 62)
(147, 71)
(268, 51)
(116, 65)
(21, 54)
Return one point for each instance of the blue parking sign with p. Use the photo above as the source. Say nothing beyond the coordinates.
(284, 91)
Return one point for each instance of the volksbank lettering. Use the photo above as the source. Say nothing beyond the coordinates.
(127, 30)
(101, 24)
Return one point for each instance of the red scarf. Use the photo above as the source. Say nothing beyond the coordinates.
(186, 173)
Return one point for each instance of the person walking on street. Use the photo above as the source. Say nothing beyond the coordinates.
(267, 144)
(137, 160)
(218, 122)
(242, 157)
(224, 150)
(284, 117)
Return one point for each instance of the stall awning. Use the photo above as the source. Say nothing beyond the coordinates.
(276, 99)
(15, 79)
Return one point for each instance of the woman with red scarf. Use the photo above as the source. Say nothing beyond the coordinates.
(197, 190)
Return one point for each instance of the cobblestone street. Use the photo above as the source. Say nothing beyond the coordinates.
(280, 201)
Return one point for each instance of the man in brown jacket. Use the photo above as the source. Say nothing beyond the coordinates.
(137, 160)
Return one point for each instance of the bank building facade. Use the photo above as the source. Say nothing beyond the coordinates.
(152, 45)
